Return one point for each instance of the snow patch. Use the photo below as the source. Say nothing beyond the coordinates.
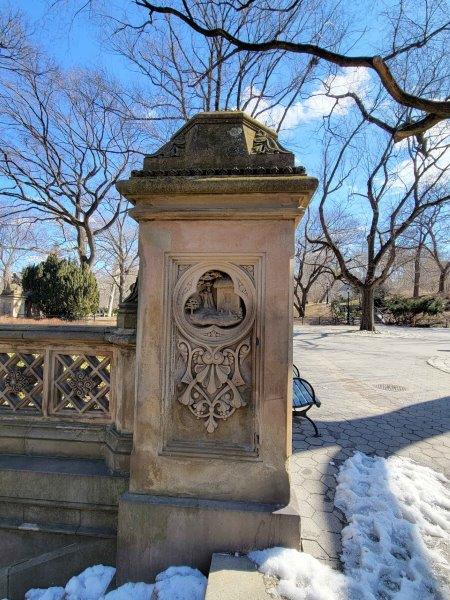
(132, 591)
(394, 545)
(91, 584)
(175, 583)
(398, 521)
(180, 583)
(53, 593)
(391, 333)
(439, 362)
(303, 577)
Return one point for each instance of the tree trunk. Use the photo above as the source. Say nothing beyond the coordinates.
(297, 302)
(442, 278)
(303, 305)
(417, 265)
(111, 299)
(367, 310)
(121, 285)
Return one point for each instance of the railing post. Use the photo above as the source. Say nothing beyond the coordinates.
(48, 382)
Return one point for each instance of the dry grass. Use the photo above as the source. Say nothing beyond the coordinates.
(25, 321)
(314, 311)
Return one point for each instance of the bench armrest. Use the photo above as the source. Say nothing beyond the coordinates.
(310, 389)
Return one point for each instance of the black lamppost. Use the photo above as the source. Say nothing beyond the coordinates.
(347, 288)
(348, 305)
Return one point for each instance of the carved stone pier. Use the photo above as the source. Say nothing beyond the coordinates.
(217, 208)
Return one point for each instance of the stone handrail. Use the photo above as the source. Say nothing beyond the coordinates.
(59, 377)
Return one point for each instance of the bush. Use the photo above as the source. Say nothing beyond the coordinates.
(407, 311)
(60, 288)
(339, 310)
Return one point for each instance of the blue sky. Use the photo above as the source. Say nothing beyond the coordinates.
(75, 41)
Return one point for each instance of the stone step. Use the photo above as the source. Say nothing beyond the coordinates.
(61, 495)
(41, 567)
(237, 578)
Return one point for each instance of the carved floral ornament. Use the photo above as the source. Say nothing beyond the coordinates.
(81, 384)
(214, 311)
(17, 381)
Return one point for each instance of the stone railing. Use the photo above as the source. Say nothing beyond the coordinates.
(70, 379)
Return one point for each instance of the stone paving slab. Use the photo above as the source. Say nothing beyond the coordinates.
(378, 396)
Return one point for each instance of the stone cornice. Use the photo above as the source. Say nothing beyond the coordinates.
(225, 172)
(137, 188)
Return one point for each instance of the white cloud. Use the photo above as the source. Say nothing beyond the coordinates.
(435, 166)
(318, 104)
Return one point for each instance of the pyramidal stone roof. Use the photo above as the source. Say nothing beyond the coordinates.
(223, 143)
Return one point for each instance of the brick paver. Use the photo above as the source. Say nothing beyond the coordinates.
(378, 396)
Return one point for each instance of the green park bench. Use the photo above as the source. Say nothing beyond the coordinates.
(303, 398)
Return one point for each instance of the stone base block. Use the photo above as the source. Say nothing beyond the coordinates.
(237, 578)
(155, 532)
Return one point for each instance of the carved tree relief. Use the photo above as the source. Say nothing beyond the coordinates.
(214, 314)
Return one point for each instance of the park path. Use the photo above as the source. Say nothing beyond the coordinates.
(378, 396)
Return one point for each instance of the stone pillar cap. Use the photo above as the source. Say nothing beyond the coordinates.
(213, 156)
(227, 142)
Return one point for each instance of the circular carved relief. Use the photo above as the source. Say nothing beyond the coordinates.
(214, 303)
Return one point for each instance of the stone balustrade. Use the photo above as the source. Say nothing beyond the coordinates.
(67, 390)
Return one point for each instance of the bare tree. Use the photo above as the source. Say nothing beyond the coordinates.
(18, 239)
(63, 147)
(401, 184)
(15, 49)
(414, 246)
(439, 239)
(314, 261)
(118, 253)
(412, 29)
(188, 73)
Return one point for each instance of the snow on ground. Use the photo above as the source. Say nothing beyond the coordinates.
(386, 331)
(394, 546)
(175, 583)
(398, 515)
(399, 523)
(440, 362)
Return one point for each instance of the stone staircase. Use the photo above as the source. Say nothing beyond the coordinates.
(57, 517)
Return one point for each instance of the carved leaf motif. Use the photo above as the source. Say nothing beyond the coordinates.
(263, 143)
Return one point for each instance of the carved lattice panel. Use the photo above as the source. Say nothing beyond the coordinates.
(82, 385)
(21, 381)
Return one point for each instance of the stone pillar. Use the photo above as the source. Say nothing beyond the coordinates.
(12, 304)
(217, 208)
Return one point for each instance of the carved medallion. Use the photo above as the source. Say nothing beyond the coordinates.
(215, 302)
(214, 312)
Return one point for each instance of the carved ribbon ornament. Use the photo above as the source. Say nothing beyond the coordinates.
(214, 381)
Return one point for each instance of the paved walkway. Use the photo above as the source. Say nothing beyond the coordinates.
(378, 396)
